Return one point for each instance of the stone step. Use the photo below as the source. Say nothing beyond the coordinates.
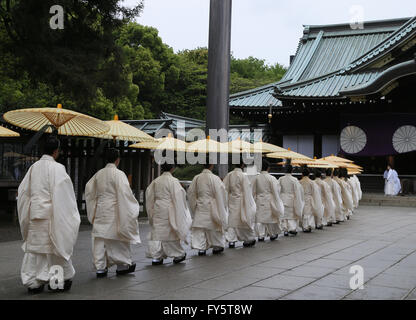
(388, 201)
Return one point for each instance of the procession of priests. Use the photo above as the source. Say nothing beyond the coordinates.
(211, 214)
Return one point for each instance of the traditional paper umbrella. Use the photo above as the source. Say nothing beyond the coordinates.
(210, 146)
(353, 172)
(4, 132)
(312, 163)
(333, 158)
(265, 147)
(288, 154)
(347, 165)
(167, 143)
(241, 146)
(123, 131)
(66, 122)
(354, 166)
(316, 163)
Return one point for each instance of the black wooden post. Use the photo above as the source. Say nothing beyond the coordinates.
(219, 68)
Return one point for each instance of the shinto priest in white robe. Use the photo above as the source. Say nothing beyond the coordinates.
(313, 209)
(354, 192)
(270, 208)
(337, 196)
(169, 217)
(358, 183)
(346, 193)
(241, 207)
(113, 211)
(393, 185)
(328, 201)
(292, 196)
(49, 221)
(208, 203)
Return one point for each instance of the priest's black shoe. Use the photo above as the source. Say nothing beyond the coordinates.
(329, 224)
(321, 227)
(157, 262)
(261, 239)
(178, 260)
(272, 238)
(231, 245)
(102, 273)
(309, 230)
(217, 250)
(131, 269)
(202, 253)
(293, 233)
(249, 244)
(286, 234)
(36, 290)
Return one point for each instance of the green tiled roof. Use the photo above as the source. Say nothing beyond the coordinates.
(257, 98)
(326, 49)
(328, 60)
(343, 69)
(328, 87)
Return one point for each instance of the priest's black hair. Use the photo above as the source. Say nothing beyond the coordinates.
(51, 145)
(336, 172)
(289, 168)
(328, 172)
(112, 154)
(166, 167)
(306, 172)
(317, 173)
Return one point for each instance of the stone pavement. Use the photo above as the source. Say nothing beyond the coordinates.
(310, 266)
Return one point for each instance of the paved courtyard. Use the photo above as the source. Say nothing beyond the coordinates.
(310, 266)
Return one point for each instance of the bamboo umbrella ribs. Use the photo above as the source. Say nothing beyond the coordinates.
(288, 154)
(66, 122)
(7, 133)
(333, 158)
(211, 146)
(167, 143)
(123, 131)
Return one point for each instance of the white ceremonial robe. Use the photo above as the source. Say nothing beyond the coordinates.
(113, 211)
(328, 201)
(360, 192)
(337, 194)
(169, 217)
(393, 185)
(313, 209)
(270, 208)
(346, 193)
(291, 193)
(354, 192)
(49, 221)
(208, 204)
(241, 207)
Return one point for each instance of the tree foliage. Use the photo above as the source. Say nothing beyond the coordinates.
(78, 61)
(102, 63)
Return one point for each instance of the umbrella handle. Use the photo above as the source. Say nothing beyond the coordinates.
(28, 147)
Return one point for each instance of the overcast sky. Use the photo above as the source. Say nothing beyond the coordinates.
(265, 29)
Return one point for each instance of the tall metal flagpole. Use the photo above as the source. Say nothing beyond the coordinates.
(219, 49)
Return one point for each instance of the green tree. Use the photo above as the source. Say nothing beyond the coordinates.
(76, 60)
